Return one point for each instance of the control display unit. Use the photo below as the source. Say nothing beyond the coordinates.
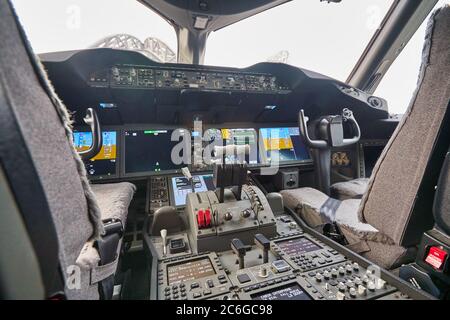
(181, 186)
(150, 151)
(283, 145)
(298, 246)
(104, 164)
(191, 270)
(291, 291)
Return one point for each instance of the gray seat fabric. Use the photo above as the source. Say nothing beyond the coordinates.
(114, 199)
(353, 189)
(45, 126)
(375, 226)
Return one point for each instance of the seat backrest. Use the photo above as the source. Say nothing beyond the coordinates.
(441, 205)
(44, 125)
(398, 201)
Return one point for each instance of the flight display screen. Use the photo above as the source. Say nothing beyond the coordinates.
(291, 291)
(284, 144)
(150, 151)
(247, 136)
(104, 163)
(297, 246)
(191, 270)
(181, 186)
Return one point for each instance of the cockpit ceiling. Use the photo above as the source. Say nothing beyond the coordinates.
(219, 13)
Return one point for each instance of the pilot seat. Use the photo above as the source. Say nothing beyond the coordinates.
(75, 228)
(386, 225)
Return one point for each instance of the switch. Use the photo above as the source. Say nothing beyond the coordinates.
(262, 242)
(263, 272)
(340, 296)
(163, 233)
(210, 283)
(380, 284)
(240, 249)
(362, 291)
(371, 286)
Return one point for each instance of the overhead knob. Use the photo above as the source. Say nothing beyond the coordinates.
(326, 274)
(380, 284)
(355, 266)
(342, 286)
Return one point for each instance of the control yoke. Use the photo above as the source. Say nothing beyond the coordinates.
(330, 133)
(91, 119)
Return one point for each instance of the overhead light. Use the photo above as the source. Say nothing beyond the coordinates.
(270, 107)
(201, 22)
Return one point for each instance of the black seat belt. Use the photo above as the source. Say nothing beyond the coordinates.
(107, 248)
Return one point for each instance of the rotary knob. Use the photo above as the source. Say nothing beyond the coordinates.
(348, 268)
(341, 270)
(352, 292)
(319, 277)
(246, 213)
(228, 216)
(334, 273)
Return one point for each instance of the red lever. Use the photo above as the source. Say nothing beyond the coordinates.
(201, 219)
(207, 218)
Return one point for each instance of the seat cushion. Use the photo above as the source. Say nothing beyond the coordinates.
(114, 199)
(353, 189)
(362, 237)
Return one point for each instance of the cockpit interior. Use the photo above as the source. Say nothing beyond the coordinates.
(128, 177)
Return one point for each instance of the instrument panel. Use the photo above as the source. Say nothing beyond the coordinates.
(217, 275)
(140, 151)
(144, 77)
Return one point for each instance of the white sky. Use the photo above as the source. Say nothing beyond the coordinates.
(327, 38)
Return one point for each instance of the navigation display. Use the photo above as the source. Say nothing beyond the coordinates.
(104, 163)
(291, 291)
(247, 136)
(295, 247)
(284, 144)
(148, 151)
(191, 270)
(181, 187)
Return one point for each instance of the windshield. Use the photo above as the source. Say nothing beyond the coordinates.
(79, 24)
(324, 37)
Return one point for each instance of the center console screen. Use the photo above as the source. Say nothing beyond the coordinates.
(191, 270)
(284, 144)
(291, 291)
(298, 246)
(104, 163)
(181, 187)
(220, 137)
(148, 151)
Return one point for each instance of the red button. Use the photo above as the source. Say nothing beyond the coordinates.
(436, 257)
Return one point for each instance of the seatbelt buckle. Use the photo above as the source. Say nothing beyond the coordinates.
(113, 226)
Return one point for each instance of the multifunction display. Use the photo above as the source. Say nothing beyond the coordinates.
(190, 270)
